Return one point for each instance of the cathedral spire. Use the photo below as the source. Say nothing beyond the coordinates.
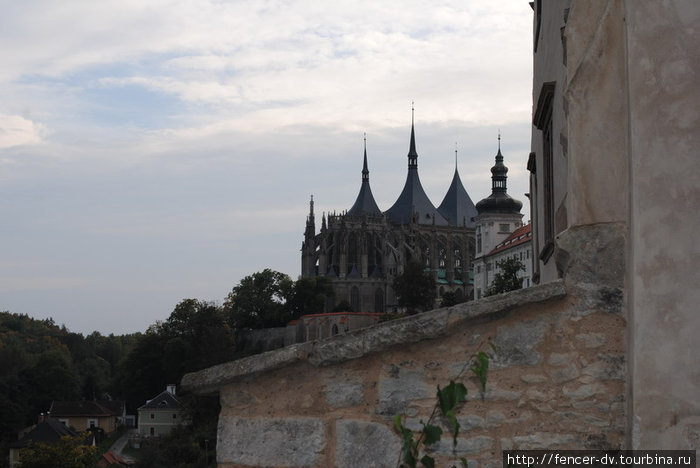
(365, 204)
(412, 153)
(455, 156)
(413, 205)
(365, 170)
(310, 220)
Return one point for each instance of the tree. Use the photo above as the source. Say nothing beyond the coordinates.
(258, 301)
(309, 296)
(195, 336)
(415, 288)
(68, 452)
(507, 278)
(449, 299)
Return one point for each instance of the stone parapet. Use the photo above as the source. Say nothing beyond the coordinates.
(373, 339)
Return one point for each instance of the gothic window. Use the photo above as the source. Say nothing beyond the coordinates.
(352, 251)
(379, 301)
(355, 299)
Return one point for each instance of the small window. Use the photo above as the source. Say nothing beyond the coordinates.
(153, 431)
(174, 415)
(153, 416)
(505, 227)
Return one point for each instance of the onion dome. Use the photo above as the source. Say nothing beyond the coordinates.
(499, 201)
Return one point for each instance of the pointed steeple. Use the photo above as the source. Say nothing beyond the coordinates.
(310, 220)
(365, 170)
(457, 206)
(412, 153)
(499, 201)
(413, 205)
(365, 204)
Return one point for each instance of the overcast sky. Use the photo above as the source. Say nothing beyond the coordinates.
(156, 150)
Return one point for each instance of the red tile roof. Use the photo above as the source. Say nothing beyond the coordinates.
(519, 236)
(113, 459)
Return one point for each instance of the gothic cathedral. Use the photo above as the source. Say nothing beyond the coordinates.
(363, 249)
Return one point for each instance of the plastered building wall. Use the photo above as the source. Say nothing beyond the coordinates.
(632, 104)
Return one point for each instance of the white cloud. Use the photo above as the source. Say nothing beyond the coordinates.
(189, 134)
(15, 130)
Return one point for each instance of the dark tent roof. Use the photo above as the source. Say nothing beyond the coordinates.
(413, 199)
(48, 431)
(365, 204)
(457, 206)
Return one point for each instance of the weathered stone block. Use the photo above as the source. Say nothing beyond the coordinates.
(581, 392)
(544, 440)
(593, 254)
(561, 359)
(343, 394)
(363, 444)
(495, 394)
(591, 340)
(464, 446)
(398, 387)
(565, 374)
(270, 442)
(470, 422)
(515, 344)
(533, 378)
(607, 367)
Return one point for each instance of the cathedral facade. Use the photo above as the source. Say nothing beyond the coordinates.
(364, 248)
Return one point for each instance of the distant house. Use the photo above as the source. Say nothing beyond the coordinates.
(517, 245)
(84, 415)
(47, 431)
(159, 415)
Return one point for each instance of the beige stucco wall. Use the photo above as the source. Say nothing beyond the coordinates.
(595, 101)
(632, 103)
(663, 43)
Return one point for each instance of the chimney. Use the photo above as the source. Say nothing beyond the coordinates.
(170, 388)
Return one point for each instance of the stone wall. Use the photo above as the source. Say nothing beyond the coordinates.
(556, 381)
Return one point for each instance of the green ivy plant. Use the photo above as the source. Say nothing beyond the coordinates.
(449, 399)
